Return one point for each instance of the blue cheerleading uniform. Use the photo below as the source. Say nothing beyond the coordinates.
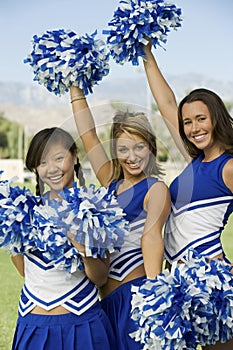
(117, 304)
(201, 205)
(191, 303)
(85, 326)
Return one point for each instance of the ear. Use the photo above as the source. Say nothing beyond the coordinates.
(75, 158)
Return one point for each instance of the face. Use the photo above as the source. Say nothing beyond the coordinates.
(133, 154)
(197, 124)
(56, 168)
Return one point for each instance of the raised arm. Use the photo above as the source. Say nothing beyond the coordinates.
(164, 97)
(87, 132)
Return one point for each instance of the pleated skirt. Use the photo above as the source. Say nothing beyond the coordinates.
(117, 306)
(89, 331)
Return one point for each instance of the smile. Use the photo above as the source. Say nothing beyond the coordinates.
(55, 178)
(200, 137)
(134, 165)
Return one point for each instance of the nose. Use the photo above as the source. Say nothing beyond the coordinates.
(132, 155)
(195, 126)
(52, 168)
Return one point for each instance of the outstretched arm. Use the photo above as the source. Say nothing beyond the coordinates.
(163, 96)
(87, 132)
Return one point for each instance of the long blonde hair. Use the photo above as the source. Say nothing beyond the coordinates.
(133, 124)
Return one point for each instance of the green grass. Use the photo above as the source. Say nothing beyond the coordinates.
(11, 283)
(227, 239)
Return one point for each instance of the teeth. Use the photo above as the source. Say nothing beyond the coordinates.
(199, 137)
(54, 178)
(135, 165)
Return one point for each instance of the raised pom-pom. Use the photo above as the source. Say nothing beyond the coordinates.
(190, 305)
(134, 22)
(61, 58)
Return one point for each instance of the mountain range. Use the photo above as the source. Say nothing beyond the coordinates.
(35, 108)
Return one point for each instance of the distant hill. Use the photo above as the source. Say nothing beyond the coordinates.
(35, 108)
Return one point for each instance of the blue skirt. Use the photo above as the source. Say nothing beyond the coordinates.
(89, 331)
(117, 306)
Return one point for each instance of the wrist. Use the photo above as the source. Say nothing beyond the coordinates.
(77, 98)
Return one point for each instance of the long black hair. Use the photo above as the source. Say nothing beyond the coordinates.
(38, 145)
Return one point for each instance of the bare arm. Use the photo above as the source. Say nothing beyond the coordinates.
(96, 269)
(228, 174)
(87, 131)
(158, 205)
(164, 97)
(18, 261)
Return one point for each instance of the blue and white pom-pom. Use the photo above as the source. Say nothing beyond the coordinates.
(96, 219)
(50, 236)
(134, 22)
(192, 304)
(16, 206)
(61, 58)
(89, 216)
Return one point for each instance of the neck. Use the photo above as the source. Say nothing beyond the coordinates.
(131, 180)
(213, 154)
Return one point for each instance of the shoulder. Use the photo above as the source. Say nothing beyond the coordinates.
(153, 180)
(157, 192)
(157, 202)
(158, 187)
(228, 174)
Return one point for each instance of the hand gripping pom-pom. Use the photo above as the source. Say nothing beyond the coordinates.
(136, 20)
(60, 59)
(89, 216)
(25, 226)
(97, 221)
(192, 304)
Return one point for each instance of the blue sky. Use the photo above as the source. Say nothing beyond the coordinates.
(203, 45)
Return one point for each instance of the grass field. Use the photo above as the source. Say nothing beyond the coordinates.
(11, 283)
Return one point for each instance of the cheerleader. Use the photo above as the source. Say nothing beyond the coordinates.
(59, 308)
(202, 200)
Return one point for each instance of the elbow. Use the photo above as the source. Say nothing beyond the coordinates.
(22, 273)
(101, 281)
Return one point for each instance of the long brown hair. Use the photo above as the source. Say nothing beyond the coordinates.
(133, 124)
(221, 120)
(38, 145)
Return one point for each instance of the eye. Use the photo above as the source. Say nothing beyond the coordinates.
(42, 163)
(122, 149)
(140, 147)
(186, 122)
(202, 118)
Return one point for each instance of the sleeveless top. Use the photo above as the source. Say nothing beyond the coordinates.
(131, 201)
(201, 205)
(48, 287)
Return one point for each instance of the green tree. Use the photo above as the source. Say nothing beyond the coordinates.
(9, 133)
